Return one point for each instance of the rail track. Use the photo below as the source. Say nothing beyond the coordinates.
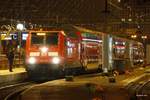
(11, 91)
(139, 90)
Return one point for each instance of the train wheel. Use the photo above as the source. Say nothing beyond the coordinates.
(30, 75)
(99, 70)
(57, 73)
(68, 72)
(115, 73)
(82, 70)
(78, 70)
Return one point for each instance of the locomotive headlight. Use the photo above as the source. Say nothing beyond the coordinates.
(32, 60)
(44, 49)
(56, 60)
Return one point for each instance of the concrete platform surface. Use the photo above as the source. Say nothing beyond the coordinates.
(15, 71)
(18, 74)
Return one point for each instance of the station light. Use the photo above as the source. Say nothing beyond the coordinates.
(133, 36)
(144, 37)
(129, 19)
(119, 0)
(20, 26)
(123, 19)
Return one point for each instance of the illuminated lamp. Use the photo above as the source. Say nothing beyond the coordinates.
(44, 49)
(56, 60)
(20, 26)
(119, 0)
(32, 60)
(133, 36)
(144, 37)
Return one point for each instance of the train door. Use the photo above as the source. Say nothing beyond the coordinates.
(137, 53)
(119, 48)
(72, 57)
(91, 51)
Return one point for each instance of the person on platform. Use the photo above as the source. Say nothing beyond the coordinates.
(10, 55)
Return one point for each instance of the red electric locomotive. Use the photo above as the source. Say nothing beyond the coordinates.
(51, 52)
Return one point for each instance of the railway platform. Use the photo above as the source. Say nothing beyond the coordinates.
(87, 87)
(18, 74)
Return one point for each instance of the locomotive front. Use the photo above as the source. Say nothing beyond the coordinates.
(44, 51)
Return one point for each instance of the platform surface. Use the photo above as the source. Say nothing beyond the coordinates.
(18, 74)
(15, 71)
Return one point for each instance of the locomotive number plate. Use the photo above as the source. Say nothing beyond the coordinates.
(43, 54)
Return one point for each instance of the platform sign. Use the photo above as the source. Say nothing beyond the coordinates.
(131, 31)
(4, 37)
(24, 36)
(9, 37)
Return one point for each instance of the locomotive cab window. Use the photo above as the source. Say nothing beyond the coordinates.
(44, 38)
(52, 38)
(36, 39)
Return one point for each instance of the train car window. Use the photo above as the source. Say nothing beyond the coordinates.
(89, 35)
(119, 48)
(52, 38)
(137, 54)
(36, 39)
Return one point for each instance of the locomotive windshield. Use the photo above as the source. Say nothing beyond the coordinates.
(44, 38)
